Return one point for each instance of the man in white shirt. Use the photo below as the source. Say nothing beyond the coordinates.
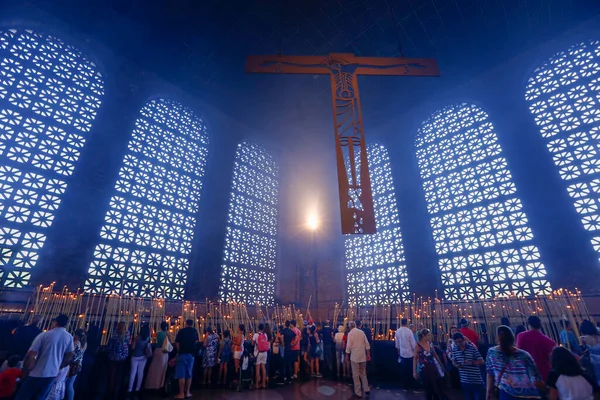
(405, 344)
(358, 352)
(49, 353)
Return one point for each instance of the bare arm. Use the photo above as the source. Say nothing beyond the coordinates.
(29, 361)
(415, 364)
(67, 359)
(553, 394)
(490, 387)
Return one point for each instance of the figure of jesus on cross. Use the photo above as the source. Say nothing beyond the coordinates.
(356, 199)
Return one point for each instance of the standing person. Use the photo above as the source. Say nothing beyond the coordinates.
(49, 353)
(358, 352)
(185, 343)
(84, 387)
(453, 371)
(566, 379)
(568, 339)
(289, 337)
(118, 351)
(276, 360)
(538, 345)
(8, 378)
(468, 332)
(427, 366)
(591, 340)
(261, 342)
(313, 356)
(405, 345)
(139, 350)
(296, 348)
(413, 329)
(23, 337)
(328, 347)
(511, 370)
(344, 344)
(80, 343)
(339, 355)
(160, 359)
(467, 359)
(238, 347)
(224, 355)
(209, 357)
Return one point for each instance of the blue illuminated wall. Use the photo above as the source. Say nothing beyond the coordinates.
(481, 232)
(375, 265)
(564, 98)
(248, 268)
(49, 96)
(147, 235)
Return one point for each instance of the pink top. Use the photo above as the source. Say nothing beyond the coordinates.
(539, 346)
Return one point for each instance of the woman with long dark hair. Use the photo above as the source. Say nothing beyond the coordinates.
(511, 370)
(427, 366)
(80, 344)
(566, 380)
(160, 359)
(139, 357)
(591, 342)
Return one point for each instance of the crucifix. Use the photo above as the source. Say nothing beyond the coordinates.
(356, 199)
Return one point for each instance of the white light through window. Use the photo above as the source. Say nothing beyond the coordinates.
(376, 270)
(564, 97)
(481, 232)
(248, 270)
(147, 234)
(49, 96)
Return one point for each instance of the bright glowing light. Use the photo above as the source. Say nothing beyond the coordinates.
(312, 222)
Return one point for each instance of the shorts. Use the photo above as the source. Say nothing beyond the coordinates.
(237, 355)
(294, 355)
(261, 358)
(184, 366)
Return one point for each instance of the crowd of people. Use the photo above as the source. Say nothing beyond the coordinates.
(57, 365)
(525, 363)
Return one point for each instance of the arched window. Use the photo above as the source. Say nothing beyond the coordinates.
(147, 234)
(49, 96)
(564, 97)
(481, 232)
(248, 270)
(376, 270)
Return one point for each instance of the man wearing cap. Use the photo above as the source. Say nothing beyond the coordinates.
(49, 353)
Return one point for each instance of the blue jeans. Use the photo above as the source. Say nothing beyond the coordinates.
(34, 388)
(70, 387)
(473, 391)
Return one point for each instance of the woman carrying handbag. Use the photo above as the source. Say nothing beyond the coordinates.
(160, 359)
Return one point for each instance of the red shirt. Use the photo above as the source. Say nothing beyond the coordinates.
(470, 334)
(8, 381)
(539, 346)
(297, 339)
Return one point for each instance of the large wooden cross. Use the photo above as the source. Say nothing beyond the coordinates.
(356, 199)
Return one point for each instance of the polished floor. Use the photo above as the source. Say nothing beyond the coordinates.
(321, 389)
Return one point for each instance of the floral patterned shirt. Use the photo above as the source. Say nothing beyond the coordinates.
(118, 347)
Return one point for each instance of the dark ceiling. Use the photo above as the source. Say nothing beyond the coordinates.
(200, 45)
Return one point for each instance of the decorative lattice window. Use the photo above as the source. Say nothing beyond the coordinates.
(376, 269)
(146, 239)
(481, 232)
(564, 97)
(49, 96)
(248, 270)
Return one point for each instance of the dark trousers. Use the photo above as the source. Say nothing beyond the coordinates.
(473, 391)
(432, 383)
(407, 381)
(288, 363)
(330, 358)
(34, 388)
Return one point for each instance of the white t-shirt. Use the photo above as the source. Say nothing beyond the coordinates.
(572, 387)
(51, 348)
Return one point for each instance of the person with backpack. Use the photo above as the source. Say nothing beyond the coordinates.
(224, 354)
(261, 342)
